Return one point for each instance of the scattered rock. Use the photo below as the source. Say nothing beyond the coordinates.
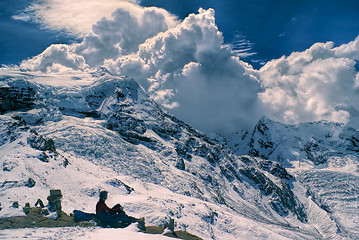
(30, 183)
(180, 164)
(27, 208)
(7, 165)
(15, 204)
(66, 162)
(39, 202)
(43, 157)
(119, 183)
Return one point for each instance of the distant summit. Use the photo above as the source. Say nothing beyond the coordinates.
(323, 156)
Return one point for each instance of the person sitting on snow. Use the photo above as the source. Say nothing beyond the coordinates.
(115, 217)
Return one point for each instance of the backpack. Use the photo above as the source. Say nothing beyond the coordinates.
(82, 216)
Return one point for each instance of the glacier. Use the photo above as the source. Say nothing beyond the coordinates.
(323, 156)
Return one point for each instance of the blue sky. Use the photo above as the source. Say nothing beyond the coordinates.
(271, 28)
(20, 40)
(277, 27)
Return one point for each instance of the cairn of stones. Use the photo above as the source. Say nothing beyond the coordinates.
(170, 225)
(55, 201)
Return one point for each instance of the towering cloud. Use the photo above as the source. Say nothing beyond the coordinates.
(122, 34)
(189, 71)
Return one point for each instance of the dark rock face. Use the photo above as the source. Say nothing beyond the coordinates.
(118, 183)
(275, 169)
(43, 157)
(280, 195)
(130, 128)
(263, 146)
(13, 98)
(282, 199)
(314, 152)
(353, 142)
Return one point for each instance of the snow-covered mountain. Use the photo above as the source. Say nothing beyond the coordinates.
(85, 132)
(323, 156)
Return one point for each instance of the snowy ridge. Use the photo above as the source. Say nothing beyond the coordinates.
(91, 131)
(323, 156)
(317, 142)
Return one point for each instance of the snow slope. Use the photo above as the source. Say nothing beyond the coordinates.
(79, 234)
(85, 132)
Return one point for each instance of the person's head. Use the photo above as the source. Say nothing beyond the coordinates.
(103, 195)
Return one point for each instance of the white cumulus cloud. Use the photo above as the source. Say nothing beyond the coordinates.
(55, 58)
(319, 83)
(122, 33)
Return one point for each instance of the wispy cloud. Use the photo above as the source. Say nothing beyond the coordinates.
(22, 16)
(76, 17)
(241, 46)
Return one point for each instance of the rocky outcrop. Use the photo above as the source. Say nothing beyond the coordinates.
(38, 142)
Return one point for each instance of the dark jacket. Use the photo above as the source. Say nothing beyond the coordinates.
(102, 207)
